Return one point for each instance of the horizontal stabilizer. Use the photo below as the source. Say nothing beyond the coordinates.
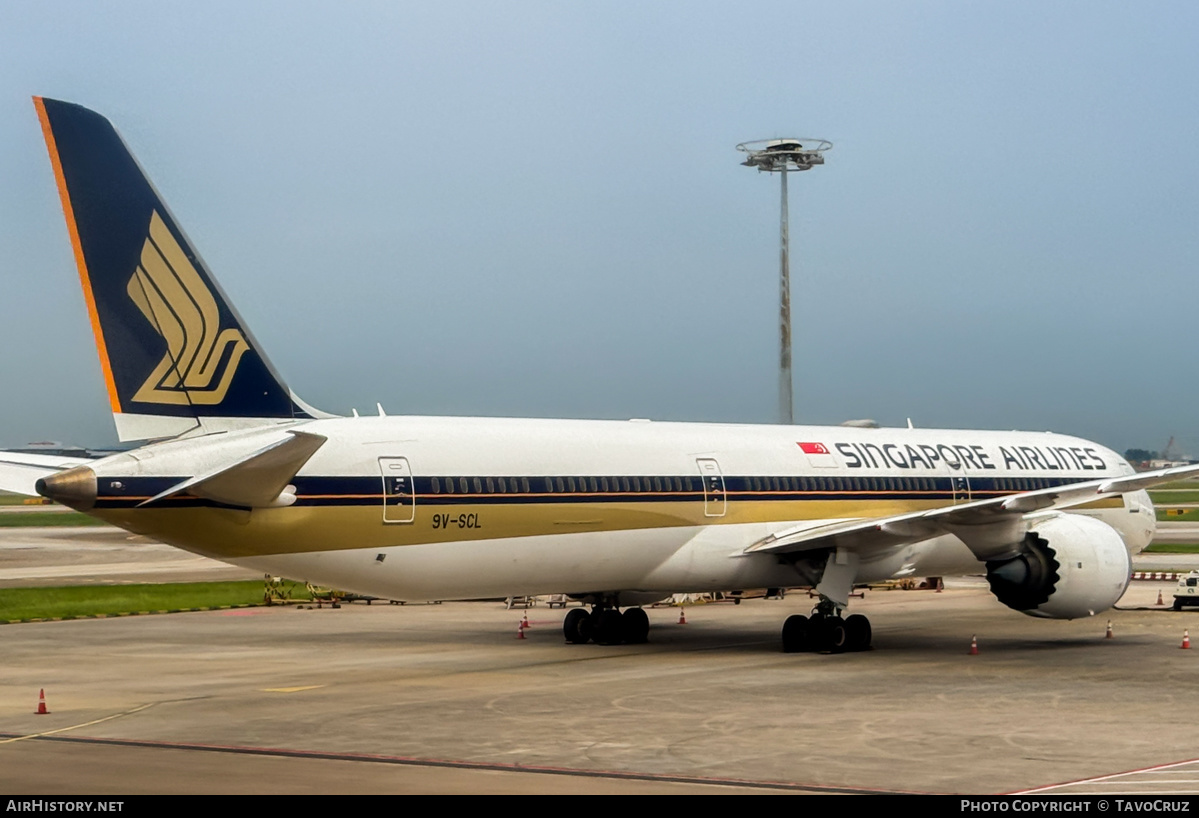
(19, 471)
(258, 480)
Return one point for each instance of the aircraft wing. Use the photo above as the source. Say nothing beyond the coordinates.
(988, 527)
(19, 471)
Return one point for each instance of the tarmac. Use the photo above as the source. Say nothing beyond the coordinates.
(446, 699)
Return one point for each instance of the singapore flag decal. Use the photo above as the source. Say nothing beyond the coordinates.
(818, 455)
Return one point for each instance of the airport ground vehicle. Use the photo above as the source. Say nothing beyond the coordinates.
(1187, 592)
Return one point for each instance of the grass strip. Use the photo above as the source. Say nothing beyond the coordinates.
(1172, 548)
(46, 519)
(1177, 484)
(1168, 496)
(76, 601)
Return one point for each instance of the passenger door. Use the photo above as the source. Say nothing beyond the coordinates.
(399, 494)
(715, 502)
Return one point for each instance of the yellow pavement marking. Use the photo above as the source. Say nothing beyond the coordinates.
(77, 726)
(289, 689)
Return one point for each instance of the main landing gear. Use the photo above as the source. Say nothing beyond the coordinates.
(825, 631)
(606, 626)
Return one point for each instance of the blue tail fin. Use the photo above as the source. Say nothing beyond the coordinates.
(175, 353)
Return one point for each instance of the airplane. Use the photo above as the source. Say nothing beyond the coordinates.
(615, 514)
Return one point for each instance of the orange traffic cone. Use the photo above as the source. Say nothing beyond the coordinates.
(41, 703)
(1109, 629)
(520, 630)
(974, 646)
(1160, 601)
(682, 617)
(524, 623)
(1186, 640)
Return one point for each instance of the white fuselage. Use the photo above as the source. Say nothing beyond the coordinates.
(417, 508)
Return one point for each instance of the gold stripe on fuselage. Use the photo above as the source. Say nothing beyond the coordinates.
(231, 533)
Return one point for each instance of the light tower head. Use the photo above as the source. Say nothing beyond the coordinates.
(784, 155)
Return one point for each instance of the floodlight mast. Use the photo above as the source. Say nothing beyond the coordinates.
(783, 156)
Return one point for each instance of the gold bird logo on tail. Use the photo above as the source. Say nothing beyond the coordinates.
(170, 293)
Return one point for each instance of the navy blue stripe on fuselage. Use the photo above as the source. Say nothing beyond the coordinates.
(128, 492)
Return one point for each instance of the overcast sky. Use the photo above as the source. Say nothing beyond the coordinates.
(536, 209)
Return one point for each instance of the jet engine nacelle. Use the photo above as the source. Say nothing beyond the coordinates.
(1070, 566)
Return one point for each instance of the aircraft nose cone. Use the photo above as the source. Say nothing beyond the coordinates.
(74, 487)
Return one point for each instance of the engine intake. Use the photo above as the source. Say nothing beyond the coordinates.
(1069, 566)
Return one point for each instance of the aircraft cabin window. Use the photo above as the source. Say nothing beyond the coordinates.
(465, 489)
(559, 484)
(490, 486)
(524, 485)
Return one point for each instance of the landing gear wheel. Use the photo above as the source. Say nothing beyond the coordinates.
(817, 636)
(607, 630)
(858, 632)
(795, 634)
(577, 627)
(837, 639)
(635, 624)
(826, 634)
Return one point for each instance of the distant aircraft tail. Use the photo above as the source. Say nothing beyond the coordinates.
(176, 355)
